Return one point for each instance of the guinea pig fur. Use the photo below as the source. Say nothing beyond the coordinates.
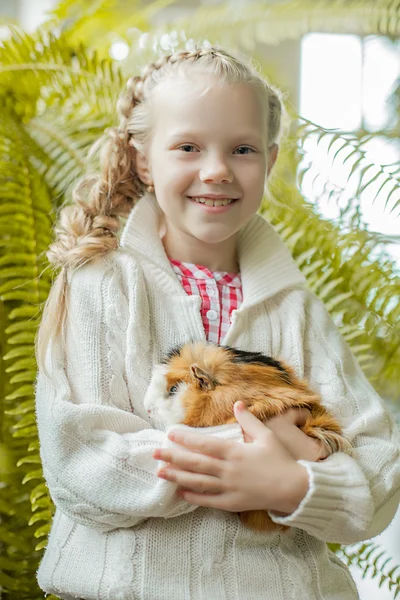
(198, 383)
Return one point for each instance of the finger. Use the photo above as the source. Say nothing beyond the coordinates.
(206, 500)
(205, 444)
(299, 416)
(324, 451)
(300, 445)
(190, 461)
(319, 449)
(250, 425)
(294, 416)
(197, 483)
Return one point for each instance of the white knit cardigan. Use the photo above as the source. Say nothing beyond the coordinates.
(119, 531)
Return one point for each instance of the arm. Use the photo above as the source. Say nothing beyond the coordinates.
(96, 453)
(350, 497)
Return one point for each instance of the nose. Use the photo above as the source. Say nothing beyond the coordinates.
(216, 170)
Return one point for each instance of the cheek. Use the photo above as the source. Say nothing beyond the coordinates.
(171, 170)
(253, 173)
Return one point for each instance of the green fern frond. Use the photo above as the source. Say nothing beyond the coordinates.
(374, 562)
(73, 96)
(98, 24)
(41, 70)
(82, 21)
(66, 144)
(21, 294)
(358, 284)
(341, 147)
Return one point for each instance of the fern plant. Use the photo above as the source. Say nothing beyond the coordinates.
(99, 23)
(56, 98)
(24, 236)
(348, 269)
(41, 154)
(372, 561)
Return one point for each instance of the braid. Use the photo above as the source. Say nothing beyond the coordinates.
(88, 227)
(227, 66)
(134, 94)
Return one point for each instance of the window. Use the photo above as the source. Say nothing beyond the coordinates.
(348, 83)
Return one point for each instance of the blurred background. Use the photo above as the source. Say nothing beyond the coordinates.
(334, 195)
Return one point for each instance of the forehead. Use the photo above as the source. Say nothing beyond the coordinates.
(206, 105)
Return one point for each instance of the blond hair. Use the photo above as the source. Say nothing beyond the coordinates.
(89, 226)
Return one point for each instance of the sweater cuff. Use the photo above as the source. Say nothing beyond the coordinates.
(337, 495)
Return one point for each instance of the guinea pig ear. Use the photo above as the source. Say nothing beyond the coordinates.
(201, 378)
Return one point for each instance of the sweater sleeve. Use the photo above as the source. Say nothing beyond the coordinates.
(96, 453)
(351, 497)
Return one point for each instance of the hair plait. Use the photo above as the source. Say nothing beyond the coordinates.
(88, 228)
(136, 84)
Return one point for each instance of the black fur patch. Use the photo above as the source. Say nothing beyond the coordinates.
(174, 352)
(242, 356)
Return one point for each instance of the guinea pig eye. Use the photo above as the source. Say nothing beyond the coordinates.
(172, 390)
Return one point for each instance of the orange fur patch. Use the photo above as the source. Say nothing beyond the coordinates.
(216, 379)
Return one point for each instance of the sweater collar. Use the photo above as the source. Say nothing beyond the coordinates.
(266, 265)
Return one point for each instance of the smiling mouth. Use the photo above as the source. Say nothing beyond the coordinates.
(211, 202)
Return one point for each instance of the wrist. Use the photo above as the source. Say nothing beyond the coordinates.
(293, 490)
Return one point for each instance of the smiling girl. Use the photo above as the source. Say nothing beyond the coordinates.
(198, 136)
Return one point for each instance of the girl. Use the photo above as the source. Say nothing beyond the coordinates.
(197, 139)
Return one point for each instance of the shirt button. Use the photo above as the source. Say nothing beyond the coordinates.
(212, 315)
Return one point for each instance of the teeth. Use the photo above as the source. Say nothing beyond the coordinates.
(209, 202)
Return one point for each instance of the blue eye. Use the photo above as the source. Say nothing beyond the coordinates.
(186, 146)
(172, 390)
(246, 148)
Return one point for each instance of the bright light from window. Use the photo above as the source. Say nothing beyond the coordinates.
(5, 32)
(381, 69)
(330, 83)
(340, 87)
(119, 50)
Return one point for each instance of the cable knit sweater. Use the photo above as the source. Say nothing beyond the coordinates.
(119, 532)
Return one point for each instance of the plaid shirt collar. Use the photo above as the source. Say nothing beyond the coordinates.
(266, 265)
(196, 272)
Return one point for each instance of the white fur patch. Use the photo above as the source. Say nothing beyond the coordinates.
(169, 409)
(173, 410)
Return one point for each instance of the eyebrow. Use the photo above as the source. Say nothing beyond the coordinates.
(251, 137)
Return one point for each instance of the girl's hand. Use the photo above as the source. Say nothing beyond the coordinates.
(287, 428)
(235, 477)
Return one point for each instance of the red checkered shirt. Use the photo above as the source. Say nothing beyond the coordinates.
(220, 292)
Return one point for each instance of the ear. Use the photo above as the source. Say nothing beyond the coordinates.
(201, 378)
(142, 168)
(272, 156)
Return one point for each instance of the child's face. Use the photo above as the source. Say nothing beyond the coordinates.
(207, 142)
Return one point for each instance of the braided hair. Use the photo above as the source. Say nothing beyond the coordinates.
(88, 227)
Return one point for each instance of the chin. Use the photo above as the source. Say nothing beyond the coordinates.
(213, 237)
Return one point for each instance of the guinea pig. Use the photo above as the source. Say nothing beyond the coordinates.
(198, 383)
